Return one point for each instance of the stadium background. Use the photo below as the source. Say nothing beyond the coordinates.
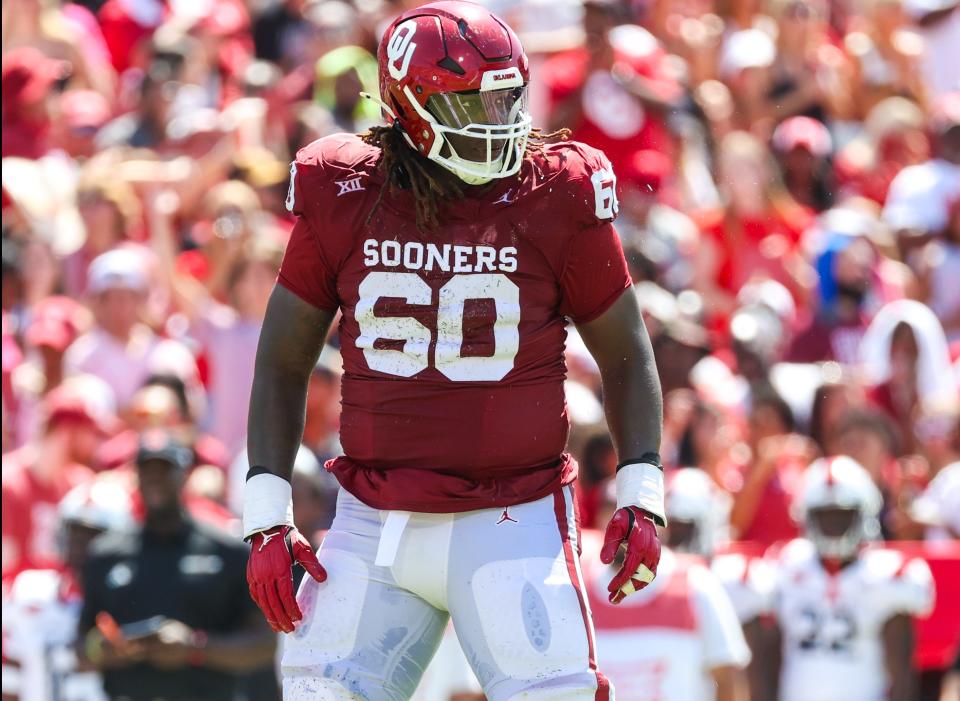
(789, 203)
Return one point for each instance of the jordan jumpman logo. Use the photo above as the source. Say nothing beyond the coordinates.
(505, 516)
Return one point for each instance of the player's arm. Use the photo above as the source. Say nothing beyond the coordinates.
(898, 644)
(291, 339)
(730, 683)
(292, 336)
(773, 662)
(633, 404)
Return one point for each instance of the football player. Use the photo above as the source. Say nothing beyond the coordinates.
(698, 512)
(455, 242)
(42, 607)
(843, 608)
(679, 638)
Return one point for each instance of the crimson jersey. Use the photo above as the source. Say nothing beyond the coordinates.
(453, 339)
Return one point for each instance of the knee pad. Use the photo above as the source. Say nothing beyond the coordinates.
(305, 688)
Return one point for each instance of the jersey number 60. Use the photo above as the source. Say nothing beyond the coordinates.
(414, 357)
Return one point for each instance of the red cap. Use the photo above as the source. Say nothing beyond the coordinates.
(84, 108)
(805, 133)
(82, 398)
(647, 171)
(28, 74)
(56, 323)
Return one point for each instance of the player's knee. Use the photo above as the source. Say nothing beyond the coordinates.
(307, 688)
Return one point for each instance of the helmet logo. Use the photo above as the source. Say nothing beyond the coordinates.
(400, 49)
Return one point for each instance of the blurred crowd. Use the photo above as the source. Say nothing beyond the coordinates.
(789, 184)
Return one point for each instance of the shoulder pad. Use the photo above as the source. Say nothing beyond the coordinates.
(903, 584)
(35, 587)
(334, 165)
(586, 175)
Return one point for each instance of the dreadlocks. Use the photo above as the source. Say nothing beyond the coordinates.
(430, 183)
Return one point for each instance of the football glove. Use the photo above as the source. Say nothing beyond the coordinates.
(635, 528)
(634, 524)
(272, 555)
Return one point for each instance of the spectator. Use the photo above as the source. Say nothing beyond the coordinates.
(885, 56)
(613, 92)
(755, 234)
(28, 80)
(802, 146)
(920, 196)
(78, 415)
(111, 215)
(227, 333)
(764, 486)
(166, 611)
(120, 349)
(163, 402)
(937, 22)
(658, 240)
(810, 74)
(849, 281)
(833, 400)
(907, 361)
(938, 267)
(871, 439)
(82, 114)
(56, 322)
(342, 74)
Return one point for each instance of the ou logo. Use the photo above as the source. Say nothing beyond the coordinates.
(400, 49)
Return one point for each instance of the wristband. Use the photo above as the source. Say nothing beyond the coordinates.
(267, 502)
(652, 458)
(640, 484)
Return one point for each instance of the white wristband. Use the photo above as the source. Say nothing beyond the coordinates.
(267, 502)
(641, 484)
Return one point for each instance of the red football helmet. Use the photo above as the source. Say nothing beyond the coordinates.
(454, 77)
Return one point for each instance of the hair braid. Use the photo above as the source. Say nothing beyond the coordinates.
(430, 183)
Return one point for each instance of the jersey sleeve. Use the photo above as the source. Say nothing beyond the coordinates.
(723, 641)
(594, 273)
(306, 271)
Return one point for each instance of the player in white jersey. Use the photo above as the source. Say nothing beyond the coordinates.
(699, 515)
(679, 638)
(844, 608)
(42, 606)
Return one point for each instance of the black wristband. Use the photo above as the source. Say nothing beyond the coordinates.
(260, 470)
(649, 458)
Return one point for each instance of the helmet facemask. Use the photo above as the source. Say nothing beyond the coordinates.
(480, 135)
(838, 531)
(687, 536)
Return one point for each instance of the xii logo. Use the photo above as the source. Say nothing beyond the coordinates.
(351, 185)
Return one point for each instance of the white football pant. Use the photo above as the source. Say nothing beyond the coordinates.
(508, 578)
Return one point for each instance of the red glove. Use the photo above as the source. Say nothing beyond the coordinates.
(272, 555)
(634, 527)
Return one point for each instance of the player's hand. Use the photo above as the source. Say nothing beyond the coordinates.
(272, 555)
(172, 646)
(634, 528)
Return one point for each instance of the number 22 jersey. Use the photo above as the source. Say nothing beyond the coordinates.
(452, 338)
(832, 624)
